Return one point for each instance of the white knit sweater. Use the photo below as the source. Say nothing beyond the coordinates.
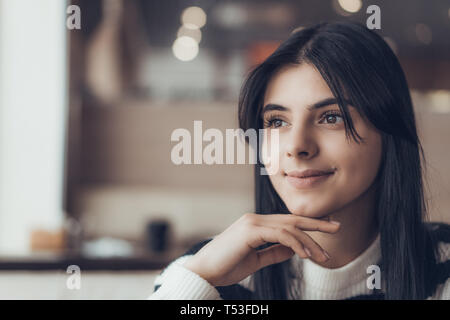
(315, 282)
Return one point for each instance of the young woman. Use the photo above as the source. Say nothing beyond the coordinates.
(344, 215)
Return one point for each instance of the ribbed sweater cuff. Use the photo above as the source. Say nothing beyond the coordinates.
(183, 284)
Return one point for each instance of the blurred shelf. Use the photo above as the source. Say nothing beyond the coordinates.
(149, 261)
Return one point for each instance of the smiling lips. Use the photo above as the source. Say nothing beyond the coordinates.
(308, 178)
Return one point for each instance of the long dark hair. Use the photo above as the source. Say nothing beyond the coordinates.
(360, 67)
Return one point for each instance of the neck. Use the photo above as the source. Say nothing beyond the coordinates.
(357, 231)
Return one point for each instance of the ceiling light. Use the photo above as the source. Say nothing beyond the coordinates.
(185, 48)
(193, 17)
(351, 6)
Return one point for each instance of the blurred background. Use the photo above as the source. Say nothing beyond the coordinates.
(86, 117)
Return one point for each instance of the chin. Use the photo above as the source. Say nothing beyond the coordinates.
(304, 211)
(310, 215)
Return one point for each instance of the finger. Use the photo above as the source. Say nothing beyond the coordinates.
(317, 252)
(262, 235)
(275, 222)
(303, 223)
(273, 254)
(313, 224)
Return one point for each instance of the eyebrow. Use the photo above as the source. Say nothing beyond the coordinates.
(317, 105)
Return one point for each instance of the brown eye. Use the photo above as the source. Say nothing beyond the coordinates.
(276, 123)
(333, 118)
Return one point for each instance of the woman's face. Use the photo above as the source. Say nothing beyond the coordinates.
(301, 106)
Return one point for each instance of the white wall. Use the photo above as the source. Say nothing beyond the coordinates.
(32, 117)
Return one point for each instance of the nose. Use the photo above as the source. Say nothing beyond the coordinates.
(300, 144)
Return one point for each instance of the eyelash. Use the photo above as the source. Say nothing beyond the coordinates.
(274, 117)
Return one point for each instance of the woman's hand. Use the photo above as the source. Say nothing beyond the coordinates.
(232, 255)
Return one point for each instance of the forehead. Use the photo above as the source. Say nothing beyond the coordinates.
(297, 85)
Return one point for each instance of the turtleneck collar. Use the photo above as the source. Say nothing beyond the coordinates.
(321, 279)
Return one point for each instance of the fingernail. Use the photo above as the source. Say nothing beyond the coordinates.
(335, 222)
(326, 254)
(308, 252)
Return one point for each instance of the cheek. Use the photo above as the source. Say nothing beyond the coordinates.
(358, 165)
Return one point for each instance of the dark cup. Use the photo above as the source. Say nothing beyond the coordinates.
(158, 235)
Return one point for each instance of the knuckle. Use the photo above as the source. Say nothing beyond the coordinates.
(284, 232)
(290, 229)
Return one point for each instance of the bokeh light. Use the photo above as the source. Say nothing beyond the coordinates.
(351, 6)
(423, 33)
(185, 48)
(193, 17)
